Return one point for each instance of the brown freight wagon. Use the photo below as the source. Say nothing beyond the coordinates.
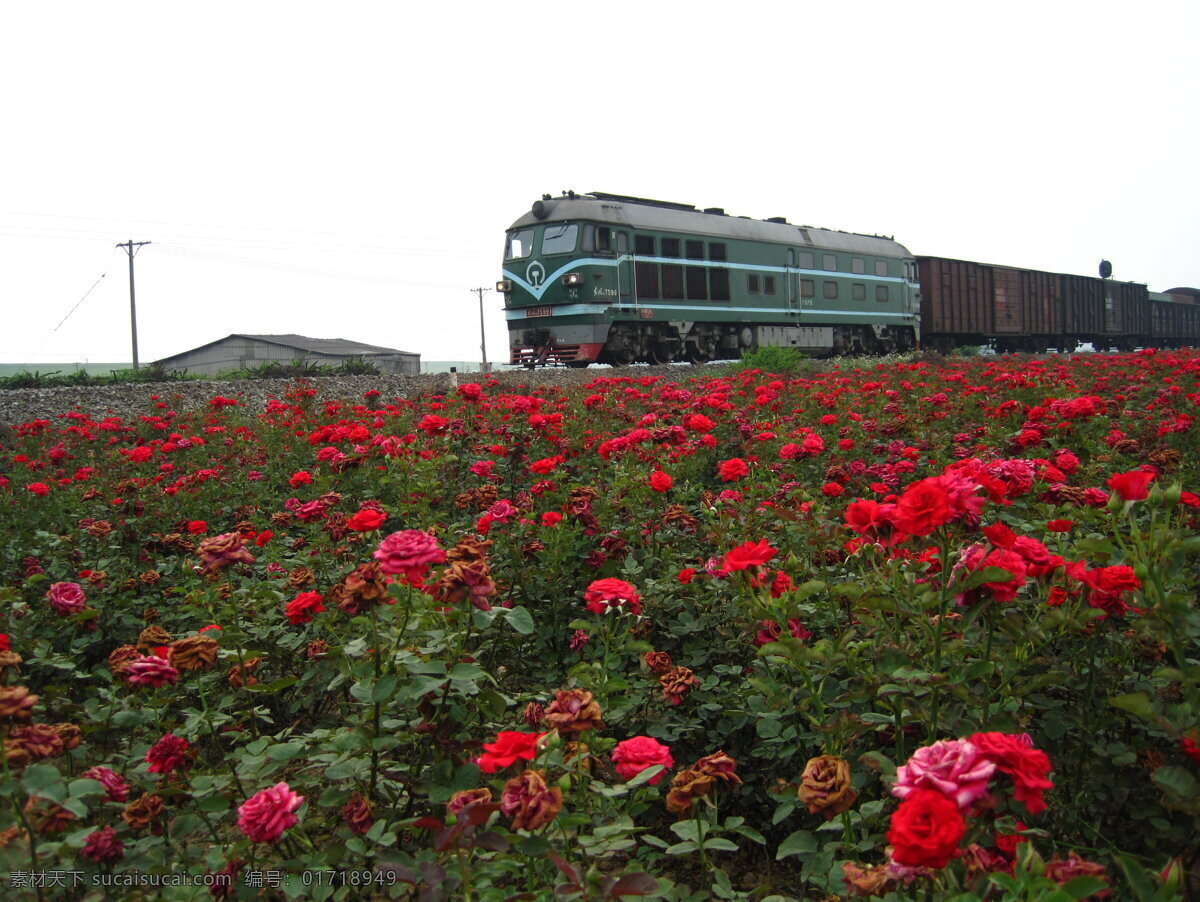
(964, 303)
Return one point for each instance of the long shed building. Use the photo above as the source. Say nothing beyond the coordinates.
(240, 351)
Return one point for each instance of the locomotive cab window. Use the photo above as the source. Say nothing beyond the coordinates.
(560, 239)
(829, 262)
(597, 238)
(520, 244)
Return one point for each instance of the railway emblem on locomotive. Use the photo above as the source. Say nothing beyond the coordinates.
(535, 274)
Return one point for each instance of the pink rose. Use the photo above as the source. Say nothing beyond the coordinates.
(633, 756)
(954, 767)
(268, 813)
(408, 553)
(66, 598)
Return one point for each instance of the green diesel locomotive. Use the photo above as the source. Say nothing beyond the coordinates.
(604, 278)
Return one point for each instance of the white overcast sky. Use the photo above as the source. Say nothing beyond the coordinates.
(347, 170)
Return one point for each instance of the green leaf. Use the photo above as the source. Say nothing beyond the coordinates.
(720, 844)
(284, 751)
(1136, 703)
(682, 848)
(1082, 887)
(520, 620)
(1176, 781)
(799, 843)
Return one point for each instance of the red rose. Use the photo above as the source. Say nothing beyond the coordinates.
(660, 481)
(924, 506)
(366, 520)
(1131, 486)
(1015, 755)
(926, 830)
(302, 608)
(734, 468)
(748, 554)
(607, 595)
(510, 747)
(633, 756)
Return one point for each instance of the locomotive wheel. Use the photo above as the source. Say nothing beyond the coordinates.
(697, 354)
(621, 357)
(660, 354)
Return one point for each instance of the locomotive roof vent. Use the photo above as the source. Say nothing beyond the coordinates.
(782, 219)
(716, 211)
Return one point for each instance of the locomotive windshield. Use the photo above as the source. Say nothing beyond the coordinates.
(520, 244)
(560, 239)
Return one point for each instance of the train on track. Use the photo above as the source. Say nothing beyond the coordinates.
(606, 278)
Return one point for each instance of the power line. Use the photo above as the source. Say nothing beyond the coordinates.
(73, 309)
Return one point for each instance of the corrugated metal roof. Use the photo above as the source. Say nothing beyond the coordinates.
(339, 346)
(670, 217)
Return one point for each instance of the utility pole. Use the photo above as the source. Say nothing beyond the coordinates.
(130, 248)
(482, 338)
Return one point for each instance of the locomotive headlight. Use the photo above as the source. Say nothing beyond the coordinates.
(504, 286)
(572, 279)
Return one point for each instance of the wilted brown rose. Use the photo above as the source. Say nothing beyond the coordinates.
(861, 881)
(71, 735)
(533, 713)
(657, 662)
(10, 659)
(243, 674)
(40, 740)
(99, 528)
(700, 779)
(122, 656)
(300, 577)
(1062, 872)
(16, 704)
(676, 682)
(152, 637)
(46, 817)
(150, 577)
(470, 580)
(143, 812)
(16, 755)
(825, 786)
(223, 551)
(11, 835)
(361, 589)
(317, 649)
(194, 653)
(357, 814)
(461, 801)
(529, 801)
(573, 711)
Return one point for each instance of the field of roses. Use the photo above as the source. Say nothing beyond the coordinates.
(907, 629)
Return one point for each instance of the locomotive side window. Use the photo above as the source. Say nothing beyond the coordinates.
(643, 245)
(808, 288)
(520, 244)
(646, 275)
(831, 291)
(752, 283)
(670, 247)
(858, 265)
(694, 250)
(697, 283)
(829, 263)
(881, 293)
(717, 252)
(806, 260)
(622, 242)
(881, 267)
(718, 284)
(604, 240)
(858, 291)
(791, 258)
(768, 284)
(672, 280)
